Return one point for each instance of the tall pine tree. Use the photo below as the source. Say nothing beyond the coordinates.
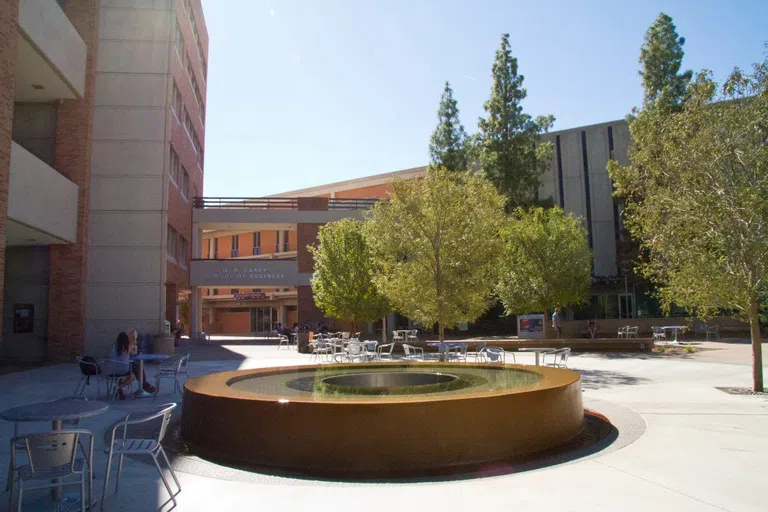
(661, 57)
(448, 145)
(509, 147)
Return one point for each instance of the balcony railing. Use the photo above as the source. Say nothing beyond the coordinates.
(278, 203)
(351, 203)
(246, 203)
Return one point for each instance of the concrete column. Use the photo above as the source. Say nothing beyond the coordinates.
(195, 312)
(197, 242)
(9, 35)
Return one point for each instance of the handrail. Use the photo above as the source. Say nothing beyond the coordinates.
(279, 203)
(246, 203)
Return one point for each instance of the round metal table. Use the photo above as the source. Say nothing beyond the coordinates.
(57, 412)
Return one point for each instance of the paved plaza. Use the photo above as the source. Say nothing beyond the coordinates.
(683, 445)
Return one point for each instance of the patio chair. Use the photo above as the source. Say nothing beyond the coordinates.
(397, 336)
(633, 332)
(559, 358)
(384, 352)
(51, 456)
(89, 367)
(284, 340)
(321, 348)
(112, 375)
(623, 332)
(457, 352)
(121, 446)
(413, 353)
(659, 334)
(169, 369)
(183, 366)
(412, 336)
(700, 329)
(713, 331)
(479, 352)
(356, 350)
(497, 355)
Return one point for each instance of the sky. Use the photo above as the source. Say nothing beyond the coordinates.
(309, 92)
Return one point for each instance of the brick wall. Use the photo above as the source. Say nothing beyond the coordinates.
(312, 203)
(66, 299)
(9, 33)
(308, 314)
(306, 235)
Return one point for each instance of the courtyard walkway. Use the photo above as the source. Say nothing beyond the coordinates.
(685, 445)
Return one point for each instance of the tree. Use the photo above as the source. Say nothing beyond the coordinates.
(546, 261)
(448, 145)
(436, 242)
(509, 147)
(696, 196)
(342, 283)
(661, 57)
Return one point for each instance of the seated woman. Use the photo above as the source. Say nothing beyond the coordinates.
(132, 339)
(120, 363)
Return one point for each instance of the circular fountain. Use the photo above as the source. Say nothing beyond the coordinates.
(380, 419)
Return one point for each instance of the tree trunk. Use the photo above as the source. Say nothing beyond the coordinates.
(757, 349)
(441, 331)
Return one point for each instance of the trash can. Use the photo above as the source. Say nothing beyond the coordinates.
(163, 344)
(303, 344)
(167, 325)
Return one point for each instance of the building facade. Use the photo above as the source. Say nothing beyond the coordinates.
(102, 116)
(577, 180)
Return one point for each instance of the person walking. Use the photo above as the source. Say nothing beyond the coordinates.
(556, 322)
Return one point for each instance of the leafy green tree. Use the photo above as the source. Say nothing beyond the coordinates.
(696, 197)
(448, 145)
(508, 145)
(342, 283)
(437, 245)
(546, 261)
(661, 57)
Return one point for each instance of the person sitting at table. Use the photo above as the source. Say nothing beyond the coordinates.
(120, 363)
(132, 338)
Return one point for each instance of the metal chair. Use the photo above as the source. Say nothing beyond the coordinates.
(633, 332)
(457, 352)
(623, 332)
(384, 352)
(169, 369)
(89, 367)
(397, 336)
(713, 330)
(356, 350)
(559, 358)
(479, 353)
(284, 340)
(183, 366)
(497, 355)
(321, 348)
(112, 373)
(52, 456)
(412, 336)
(413, 353)
(130, 446)
(659, 334)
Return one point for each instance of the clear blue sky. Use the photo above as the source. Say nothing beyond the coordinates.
(308, 92)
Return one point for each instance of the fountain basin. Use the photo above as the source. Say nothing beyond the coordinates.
(288, 418)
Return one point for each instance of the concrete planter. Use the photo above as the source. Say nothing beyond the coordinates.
(163, 344)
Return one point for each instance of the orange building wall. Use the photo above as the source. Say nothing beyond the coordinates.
(234, 322)
(379, 191)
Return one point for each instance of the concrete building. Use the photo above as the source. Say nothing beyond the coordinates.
(577, 180)
(102, 108)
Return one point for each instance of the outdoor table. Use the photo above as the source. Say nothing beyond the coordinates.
(140, 393)
(538, 351)
(675, 328)
(444, 346)
(57, 412)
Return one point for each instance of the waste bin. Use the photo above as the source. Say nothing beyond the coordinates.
(163, 344)
(167, 325)
(303, 344)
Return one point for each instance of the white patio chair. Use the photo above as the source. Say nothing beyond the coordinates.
(284, 340)
(112, 375)
(457, 352)
(397, 337)
(322, 349)
(384, 352)
(659, 334)
(412, 336)
(356, 350)
(713, 331)
(633, 332)
(121, 446)
(169, 369)
(479, 352)
(623, 332)
(413, 353)
(52, 456)
(700, 329)
(183, 366)
(89, 367)
(497, 355)
(559, 358)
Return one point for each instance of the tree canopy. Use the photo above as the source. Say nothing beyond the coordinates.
(436, 243)
(508, 145)
(342, 283)
(546, 261)
(696, 197)
(448, 145)
(661, 58)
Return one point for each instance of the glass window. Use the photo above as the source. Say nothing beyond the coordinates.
(184, 185)
(285, 241)
(176, 102)
(182, 251)
(171, 243)
(175, 166)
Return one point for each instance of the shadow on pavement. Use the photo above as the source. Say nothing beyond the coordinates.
(598, 379)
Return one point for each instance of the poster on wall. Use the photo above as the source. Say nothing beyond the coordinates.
(23, 318)
(530, 326)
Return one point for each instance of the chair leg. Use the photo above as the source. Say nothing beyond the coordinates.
(9, 488)
(119, 472)
(21, 496)
(106, 480)
(82, 492)
(162, 477)
(170, 468)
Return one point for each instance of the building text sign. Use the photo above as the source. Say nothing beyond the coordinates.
(244, 273)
